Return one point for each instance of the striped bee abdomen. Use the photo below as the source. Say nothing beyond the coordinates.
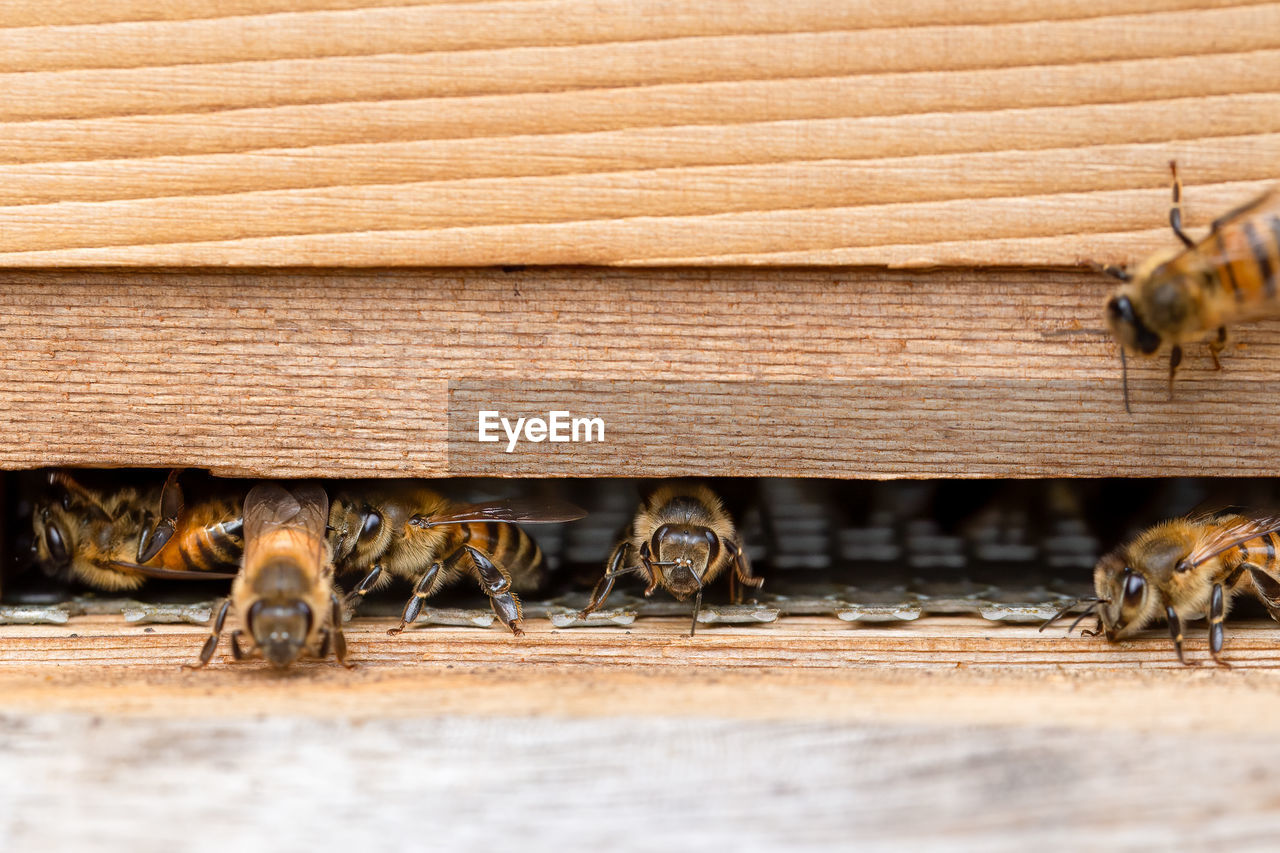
(207, 545)
(512, 549)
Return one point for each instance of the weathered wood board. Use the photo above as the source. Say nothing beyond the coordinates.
(565, 131)
(841, 373)
(944, 734)
(792, 645)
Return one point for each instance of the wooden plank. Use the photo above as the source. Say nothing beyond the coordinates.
(847, 373)
(333, 132)
(807, 730)
(208, 783)
(792, 645)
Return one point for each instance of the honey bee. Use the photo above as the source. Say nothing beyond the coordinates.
(681, 539)
(100, 537)
(284, 591)
(409, 531)
(1188, 294)
(204, 537)
(1185, 568)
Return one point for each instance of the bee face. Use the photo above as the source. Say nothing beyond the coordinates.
(363, 531)
(54, 542)
(280, 629)
(1131, 603)
(1132, 582)
(681, 555)
(1128, 328)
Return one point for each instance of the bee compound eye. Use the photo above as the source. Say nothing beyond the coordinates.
(372, 524)
(1121, 308)
(1134, 587)
(56, 544)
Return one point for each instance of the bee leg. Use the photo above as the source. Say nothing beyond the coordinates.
(645, 560)
(1175, 359)
(339, 638)
(604, 586)
(237, 652)
(1217, 612)
(357, 594)
(1175, 631)
(1175, 210)
(171, 503)
(413, 608)
(741, 572)
(206, 653)
(1217, 346)
(497, 585)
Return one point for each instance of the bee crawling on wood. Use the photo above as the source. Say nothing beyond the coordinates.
(1183, 569)
(1193, 293)
(103, 538)
(681, 539)
(284, 593)
(409, 531)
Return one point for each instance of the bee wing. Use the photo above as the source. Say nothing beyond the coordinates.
(1230, 535)
(271, 510)
(526, 511)
(1270, 198)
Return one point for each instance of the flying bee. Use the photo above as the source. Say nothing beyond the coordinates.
(409, 531)
(284, 592)
(1193, 293)
(681, 539)
(98, 537)
(1185, 568)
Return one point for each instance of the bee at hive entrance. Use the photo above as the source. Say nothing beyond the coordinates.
(728, 553)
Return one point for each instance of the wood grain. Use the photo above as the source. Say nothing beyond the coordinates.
(845, 373)
(652, 644)
(340, 133)
(807, 731)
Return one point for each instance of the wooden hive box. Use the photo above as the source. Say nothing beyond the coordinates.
(758, 238)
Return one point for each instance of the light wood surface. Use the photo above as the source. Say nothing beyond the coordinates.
(941, 734)
(805, 373)
(88, 649)
(561, 131)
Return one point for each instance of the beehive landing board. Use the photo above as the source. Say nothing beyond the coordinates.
(339, 132)
(840, 373)
(807, 733)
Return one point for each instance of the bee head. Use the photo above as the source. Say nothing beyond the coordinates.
(1128, 328)
(680, 554)
(1127, 599)
(54, 542)
(280, 629)
(360, 531)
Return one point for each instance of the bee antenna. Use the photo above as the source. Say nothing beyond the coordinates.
(1092, 602)
(1124, 380)
(1092, 608)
